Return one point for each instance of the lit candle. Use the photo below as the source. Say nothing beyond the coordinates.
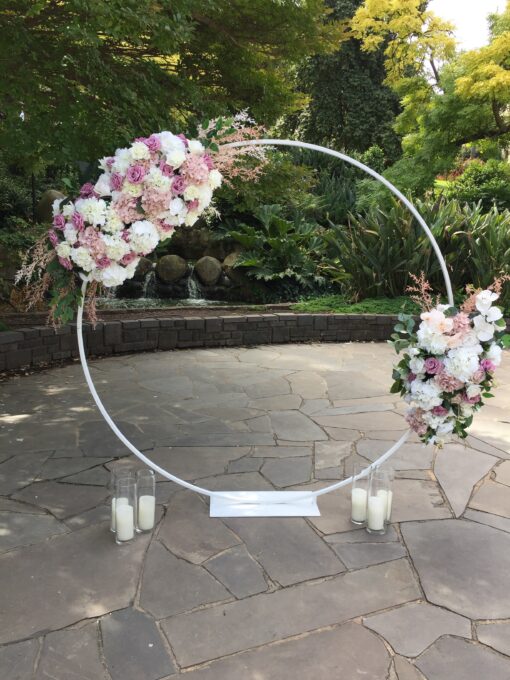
(124, 520)
(376, 513)
(146, 512)
(358, 505)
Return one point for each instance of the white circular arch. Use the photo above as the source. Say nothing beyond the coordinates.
(236, 496)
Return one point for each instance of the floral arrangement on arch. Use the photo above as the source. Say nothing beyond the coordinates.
(449, 362)
(143, 193)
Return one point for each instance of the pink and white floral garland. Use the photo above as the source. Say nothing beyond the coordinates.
(448, 365)
(145, 191)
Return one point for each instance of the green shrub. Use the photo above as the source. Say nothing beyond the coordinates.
(488, 183)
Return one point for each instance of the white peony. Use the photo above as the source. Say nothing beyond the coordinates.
(140, 151)
(484, 300)
(494, 354)
(122, 161)
(215, 179)
(116, 247)
(483, 329)
(170, 142)
(102, 186)
(176, 158)
(461, 363)
(93, 210)
(81, 257)
(143, 237)
(426, 395)
(63, 249)
(195, 147)
(70, 234)
(113, 275)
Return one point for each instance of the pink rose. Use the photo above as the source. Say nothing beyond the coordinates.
(78, 221)
(179, 185)
(59, 221)
(116, 181)
(166, 169)
(109, 162)
(66, 263)
(471, 400)
(103, 262)
(439, 411)
(135, 174)
(193, 205)
(478, 376)
(487, 365)
(433, 366)
(87, 191)
(52, 235)
(152, 143)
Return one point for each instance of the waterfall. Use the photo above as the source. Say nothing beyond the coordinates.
(192, 287)
(149, 285)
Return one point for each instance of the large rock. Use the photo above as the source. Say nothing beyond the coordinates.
(229, 267)
(44, 209)
(190, 242)
(208, 270)
(171, 268)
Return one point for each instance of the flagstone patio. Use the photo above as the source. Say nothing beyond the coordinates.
(248, 599)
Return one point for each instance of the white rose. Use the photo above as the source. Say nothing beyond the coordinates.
(176, 158)
(195, 147)
(81, 257)
(63, 249)
(484, 300)
(143, 237)
(177, 206)
(416, 365)
(140, 151)
(494, 354)
(116, 247)
(215, 179)
(113, 275)
(102, 186)
(484, 330)
(70, 234)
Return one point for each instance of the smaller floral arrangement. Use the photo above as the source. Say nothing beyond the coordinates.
(449, 361)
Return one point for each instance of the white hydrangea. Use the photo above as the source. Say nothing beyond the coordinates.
(170, 142)
(195, 147)
(143, 237)
(113, 275)
(426, 395)
(70, 234)
(431, 340)
(176, 158)
(140, 151)
(122, 161)
(157, 180)
(82, 258)
(113, 223)
(215, 179)
(63, 249)
(461, 363)
(102, 186)
(116, 247)
(93, 210)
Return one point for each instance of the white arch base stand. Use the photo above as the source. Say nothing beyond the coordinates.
(265, 503)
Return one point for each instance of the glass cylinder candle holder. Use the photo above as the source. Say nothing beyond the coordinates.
(125, 509)
(117, 473)
(359, 493)
(377, 502)
(387, 494)
(146, 499)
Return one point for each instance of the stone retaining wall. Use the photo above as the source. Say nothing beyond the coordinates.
(43, 345)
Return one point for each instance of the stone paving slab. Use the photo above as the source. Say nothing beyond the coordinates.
(248, 598)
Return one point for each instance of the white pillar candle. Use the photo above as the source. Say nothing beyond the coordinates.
(115, 502)
(146, 512)
(358, 504)
(387, 497)
(124, 520)
(376, 513)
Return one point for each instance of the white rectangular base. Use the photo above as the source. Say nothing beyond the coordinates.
(264, 504)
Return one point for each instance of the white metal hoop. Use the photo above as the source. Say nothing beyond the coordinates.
(265, 503)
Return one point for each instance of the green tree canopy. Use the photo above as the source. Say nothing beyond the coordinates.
(88, 75)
